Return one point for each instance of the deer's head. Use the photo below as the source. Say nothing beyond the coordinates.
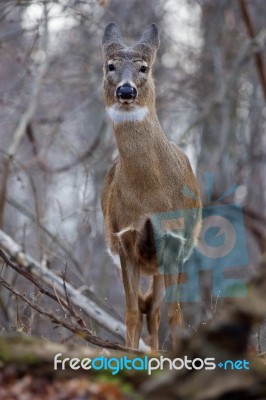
(128, 83)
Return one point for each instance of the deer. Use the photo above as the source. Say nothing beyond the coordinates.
(150, 177)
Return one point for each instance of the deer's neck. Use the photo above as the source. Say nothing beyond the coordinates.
(143, 148)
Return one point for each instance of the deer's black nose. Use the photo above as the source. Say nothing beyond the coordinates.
(126, 92)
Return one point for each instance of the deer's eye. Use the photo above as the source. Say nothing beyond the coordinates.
(143, 69)
(111, 67)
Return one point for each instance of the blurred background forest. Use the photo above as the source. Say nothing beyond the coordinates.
(56, 143)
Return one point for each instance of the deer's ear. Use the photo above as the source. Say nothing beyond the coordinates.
(151, 37)
(112, 36)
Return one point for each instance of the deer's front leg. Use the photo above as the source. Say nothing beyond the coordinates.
(130, 276)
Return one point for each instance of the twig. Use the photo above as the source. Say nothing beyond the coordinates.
(46, 292)
(252, 33)
(258, 336)
(87, 154)
(54, 238)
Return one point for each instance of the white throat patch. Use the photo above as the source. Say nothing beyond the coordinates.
(119, 116)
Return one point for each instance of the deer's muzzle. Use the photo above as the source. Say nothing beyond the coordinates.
(126, 92)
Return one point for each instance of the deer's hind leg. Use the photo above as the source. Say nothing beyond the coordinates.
(153, 301)
(170, 261)
(175, 318)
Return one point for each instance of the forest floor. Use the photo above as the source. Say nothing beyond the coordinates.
(27, 373)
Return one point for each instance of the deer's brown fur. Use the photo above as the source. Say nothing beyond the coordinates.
(148, 177)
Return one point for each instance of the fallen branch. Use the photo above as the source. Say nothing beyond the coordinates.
(60, 287)
(67, 253)
(73, 326)
(25, 351)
